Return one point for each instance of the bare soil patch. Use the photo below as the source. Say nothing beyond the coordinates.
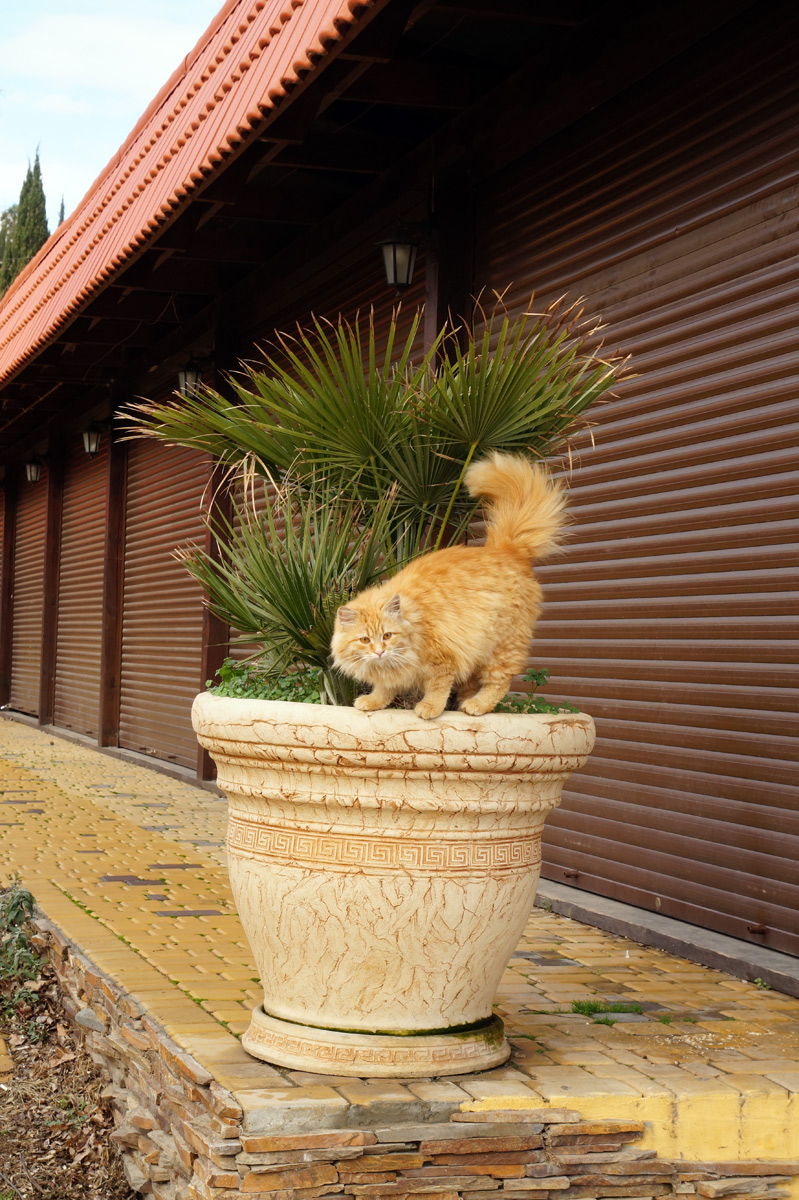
(55, 1123)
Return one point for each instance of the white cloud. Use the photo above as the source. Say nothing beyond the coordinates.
(55, 102)
(117, 53)
(76, 77)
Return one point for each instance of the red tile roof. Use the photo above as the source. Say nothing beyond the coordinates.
(246, 63)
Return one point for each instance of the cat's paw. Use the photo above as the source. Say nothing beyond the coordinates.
(428, 710)
(367, 703)
(475, 707)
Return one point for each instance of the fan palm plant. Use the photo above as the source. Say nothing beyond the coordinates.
(361, 456)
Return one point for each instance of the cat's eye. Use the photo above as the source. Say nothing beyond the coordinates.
(364, 639)
(386, 636)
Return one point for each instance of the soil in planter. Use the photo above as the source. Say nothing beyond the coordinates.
(54, 1122)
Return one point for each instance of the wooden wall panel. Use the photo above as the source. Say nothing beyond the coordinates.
(162, 615)
(672, 616)
(28, 595)
(80, 589)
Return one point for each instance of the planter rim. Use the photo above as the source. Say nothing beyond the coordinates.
(391, 731)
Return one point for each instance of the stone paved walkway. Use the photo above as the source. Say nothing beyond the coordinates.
(131, 864)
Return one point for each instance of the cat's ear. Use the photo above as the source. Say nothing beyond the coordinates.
(347, 615)
(392, 609)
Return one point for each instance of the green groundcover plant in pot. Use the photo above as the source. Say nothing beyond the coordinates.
(345, 460)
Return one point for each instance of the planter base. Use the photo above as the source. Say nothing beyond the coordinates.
(304, 1048)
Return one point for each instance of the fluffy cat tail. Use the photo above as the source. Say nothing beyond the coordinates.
(526, 507)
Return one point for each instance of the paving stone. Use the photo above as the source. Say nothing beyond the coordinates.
(785, 1078)
(443, 1184)
(298, 1177)
(590, 1128)
(481, 1145)
(350, 1177)
(90, 1020)
(302, 1110)
(740, 1187)
(333, 1137)
(288, 1158)
(517, 1116)
(555, 1083)
(551, 1183)
(498, 1089)
(751, 1084)
(502, 1124)
(373, 1092)
(496, 1170)
(438, 1090)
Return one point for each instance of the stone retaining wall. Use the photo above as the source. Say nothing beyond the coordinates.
(184, 1137)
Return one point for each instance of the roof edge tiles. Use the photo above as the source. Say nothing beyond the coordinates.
(251, 57)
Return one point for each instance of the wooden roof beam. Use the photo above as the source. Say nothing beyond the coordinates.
(157, 272)
(110, 332)
(253, 243)
(528, 12)
(264, 201)
(86, 374)
(414, 85)
(121, 304)
(379, 40)
(345, 151)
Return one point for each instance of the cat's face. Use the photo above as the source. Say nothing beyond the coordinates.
(372, 641)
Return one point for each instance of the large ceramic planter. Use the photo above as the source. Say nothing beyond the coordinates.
(384, 868)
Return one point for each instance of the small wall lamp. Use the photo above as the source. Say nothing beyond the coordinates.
(33, 470)
(190, 378)
(399, 258)
(91, 439)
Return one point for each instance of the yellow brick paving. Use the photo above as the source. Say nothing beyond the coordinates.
(711, 1062)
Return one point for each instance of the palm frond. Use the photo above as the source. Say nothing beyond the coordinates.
(361, 455)
(520, 387)
(288, 559)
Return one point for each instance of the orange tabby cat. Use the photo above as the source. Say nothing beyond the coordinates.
(463, 616)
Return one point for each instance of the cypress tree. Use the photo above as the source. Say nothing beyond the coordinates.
(8, 224)
(31, 230)
(61, 213)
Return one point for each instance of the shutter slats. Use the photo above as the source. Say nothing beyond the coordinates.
(672, 613)
(80, 589)
(28, 586)
(162, 607)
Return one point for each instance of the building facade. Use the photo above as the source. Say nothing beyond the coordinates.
(649, 163)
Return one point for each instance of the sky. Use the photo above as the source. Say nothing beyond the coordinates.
(75, 76)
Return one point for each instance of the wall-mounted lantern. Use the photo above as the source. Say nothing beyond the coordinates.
(190, 378)
(91, 440)
(399, 258)
(33, 470)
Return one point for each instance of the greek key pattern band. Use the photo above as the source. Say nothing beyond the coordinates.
(362, 852)
(269, 1041)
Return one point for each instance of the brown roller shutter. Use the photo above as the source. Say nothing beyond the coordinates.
(28, 603)
(2, 531)
(80, 589)
(672, 615)
(162, 608)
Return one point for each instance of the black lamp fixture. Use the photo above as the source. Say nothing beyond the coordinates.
(33, 470)
(399, 258)
(190, 378)
(91, 439)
